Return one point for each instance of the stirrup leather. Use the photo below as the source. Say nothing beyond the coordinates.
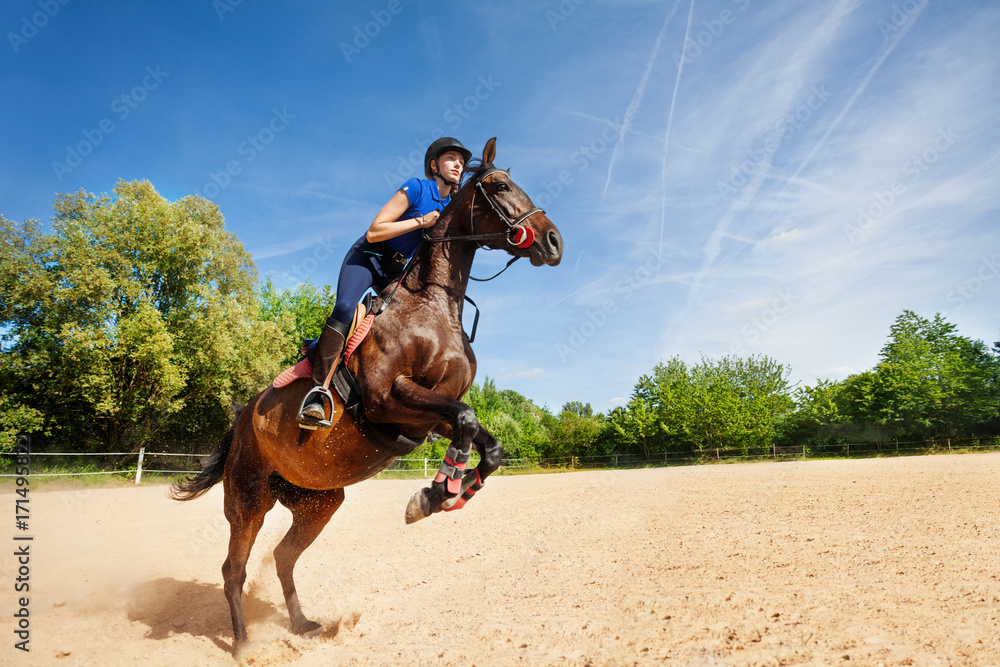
(312, 423)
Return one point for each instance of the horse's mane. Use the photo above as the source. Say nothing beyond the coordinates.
(474, 170)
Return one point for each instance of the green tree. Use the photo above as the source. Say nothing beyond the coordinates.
(303, 311)
(932, 382)
(577, 408)
(16, 418)
(731, 402)
(717, 420)
(638, 424)
(738, 401)
(514, 420)
(929, 382)
(574, 434)
(133, 314)
(669, 392)
(818, 414)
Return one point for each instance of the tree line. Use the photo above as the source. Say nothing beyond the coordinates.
(139, 322)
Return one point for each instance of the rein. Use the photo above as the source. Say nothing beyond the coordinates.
(483, 280)
(399, 281)
(402, 277)
(527, 237)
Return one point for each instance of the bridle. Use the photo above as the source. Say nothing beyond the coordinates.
(527, 235)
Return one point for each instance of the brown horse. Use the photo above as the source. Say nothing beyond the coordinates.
(413, 367)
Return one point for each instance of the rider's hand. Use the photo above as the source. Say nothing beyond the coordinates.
(428, 219)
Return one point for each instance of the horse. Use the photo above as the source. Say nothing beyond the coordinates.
(412, 368)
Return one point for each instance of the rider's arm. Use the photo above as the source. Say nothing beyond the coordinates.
(387, 224)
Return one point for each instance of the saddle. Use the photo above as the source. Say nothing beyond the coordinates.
(346, 385)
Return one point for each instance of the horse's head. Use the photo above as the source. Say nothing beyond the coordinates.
(506, 219)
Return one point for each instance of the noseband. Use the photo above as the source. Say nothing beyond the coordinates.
(524, 239)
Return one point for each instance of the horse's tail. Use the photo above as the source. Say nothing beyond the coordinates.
(211, 472)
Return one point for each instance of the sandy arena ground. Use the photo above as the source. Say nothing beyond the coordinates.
(867, 562)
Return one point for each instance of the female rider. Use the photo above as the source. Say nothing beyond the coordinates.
(380, 256)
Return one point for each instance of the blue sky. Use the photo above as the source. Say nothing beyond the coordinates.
(730, 177)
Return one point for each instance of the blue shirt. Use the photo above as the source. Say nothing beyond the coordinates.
(424, 196)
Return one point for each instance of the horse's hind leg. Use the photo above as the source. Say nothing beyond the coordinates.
(311, 511)
(246, 502)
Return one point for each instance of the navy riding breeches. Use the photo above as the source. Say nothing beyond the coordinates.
(367, 265)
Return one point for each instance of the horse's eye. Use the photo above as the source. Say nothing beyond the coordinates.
(502, 187)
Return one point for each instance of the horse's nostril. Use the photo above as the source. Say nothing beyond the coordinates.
(554, 241)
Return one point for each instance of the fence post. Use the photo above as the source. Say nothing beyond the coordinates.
(616, 460)
(425, 468)
(848, 449)
(138, 470)
(774, 451)
(717, 457)
(949, 444)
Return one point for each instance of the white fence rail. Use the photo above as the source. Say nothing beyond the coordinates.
(141, 454)
(421, 467)
(427, 467)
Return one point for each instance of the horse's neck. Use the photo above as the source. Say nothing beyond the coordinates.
(444, 266)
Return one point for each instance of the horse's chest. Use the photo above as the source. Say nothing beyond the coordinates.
(444, 364)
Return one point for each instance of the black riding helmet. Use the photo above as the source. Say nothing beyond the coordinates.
(441, 146)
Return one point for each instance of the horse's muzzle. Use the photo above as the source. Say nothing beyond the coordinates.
(547, 248)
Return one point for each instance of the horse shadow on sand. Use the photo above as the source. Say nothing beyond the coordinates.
(171, 607)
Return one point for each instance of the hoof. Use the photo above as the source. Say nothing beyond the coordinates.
(239, 645)
(308, 629)
(419, 506)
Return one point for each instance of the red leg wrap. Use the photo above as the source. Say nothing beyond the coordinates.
(471, 491)
(452, 470)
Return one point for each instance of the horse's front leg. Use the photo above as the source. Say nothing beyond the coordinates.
(490, 454)
(412, 402)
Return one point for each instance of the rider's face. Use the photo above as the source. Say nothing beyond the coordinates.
(450, 165)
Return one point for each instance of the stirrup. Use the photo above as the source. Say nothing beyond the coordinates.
(312, 423)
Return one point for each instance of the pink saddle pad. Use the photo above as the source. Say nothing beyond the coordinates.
(303, 369)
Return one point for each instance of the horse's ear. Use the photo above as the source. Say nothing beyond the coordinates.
(490, 151)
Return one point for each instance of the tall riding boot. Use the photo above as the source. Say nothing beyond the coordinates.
(329, 349)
